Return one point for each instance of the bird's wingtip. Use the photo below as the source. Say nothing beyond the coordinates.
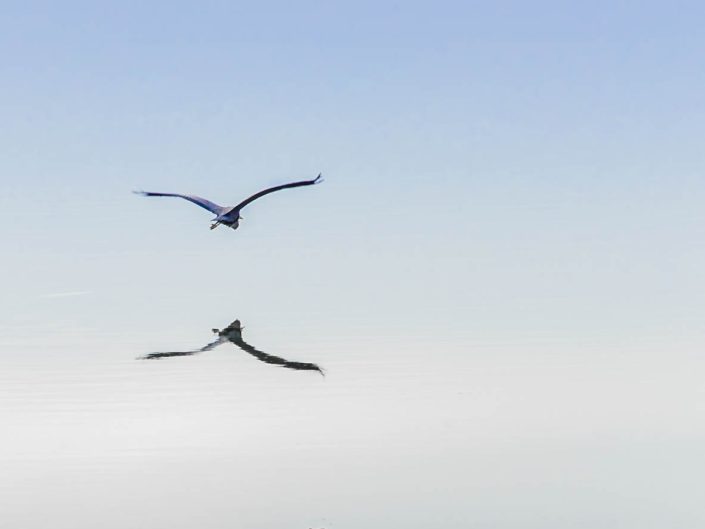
(139, 192)
(318, 179)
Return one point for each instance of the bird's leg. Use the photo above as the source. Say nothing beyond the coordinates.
(215, 225)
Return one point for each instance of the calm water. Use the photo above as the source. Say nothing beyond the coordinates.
(403, 431)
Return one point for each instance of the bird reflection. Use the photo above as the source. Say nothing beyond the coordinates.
(233, 333)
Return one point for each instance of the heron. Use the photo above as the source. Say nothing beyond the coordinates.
(230, 215)
(233, 333)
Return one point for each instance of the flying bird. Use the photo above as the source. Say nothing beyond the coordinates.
(233, 333)
(230, 215)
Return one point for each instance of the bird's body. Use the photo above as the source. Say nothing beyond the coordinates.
(230, 215)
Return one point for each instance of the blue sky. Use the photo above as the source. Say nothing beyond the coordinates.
(475, 155)
(513, 190)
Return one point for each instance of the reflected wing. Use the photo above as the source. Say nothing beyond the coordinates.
(169, 354)
(157, 356)
(276, 360)
(254, 197)
(205, 204)
(213, 345)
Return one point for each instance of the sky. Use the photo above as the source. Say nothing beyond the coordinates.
(502, 272)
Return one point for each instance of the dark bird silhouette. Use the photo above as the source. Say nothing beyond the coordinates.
(230, 215)
(233, 333)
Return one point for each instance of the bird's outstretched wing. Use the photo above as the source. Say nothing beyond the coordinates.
(276, 360)
(205, 204)
(254, 197)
